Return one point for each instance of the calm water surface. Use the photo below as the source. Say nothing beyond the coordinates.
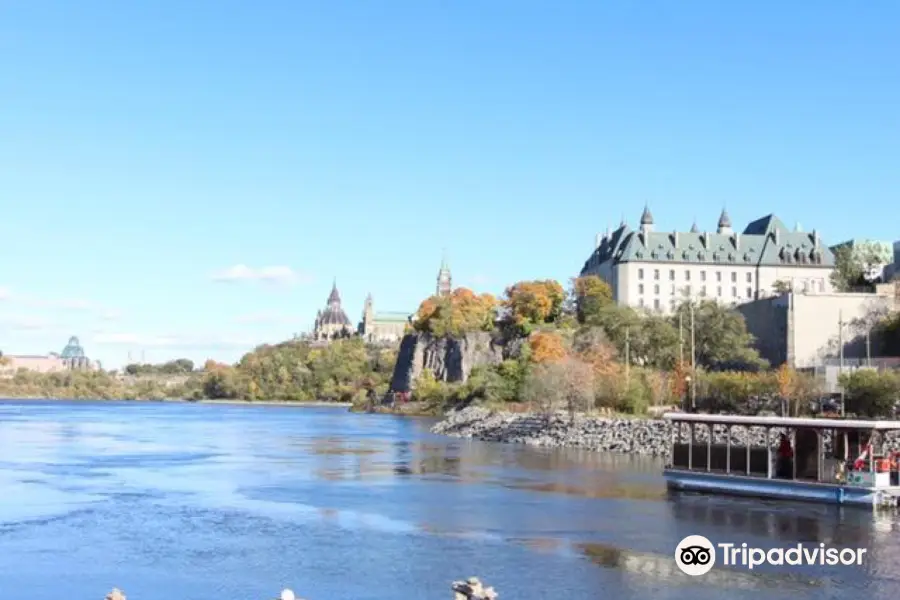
(204, 502)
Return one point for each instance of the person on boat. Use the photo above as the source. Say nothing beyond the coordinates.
(785, 457)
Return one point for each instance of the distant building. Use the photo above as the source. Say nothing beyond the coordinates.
(657, 269)
(444, 279)
(332, 322)
(879, 270)
(72, 358)
(808, 330)
(892, 271)
(389, 326)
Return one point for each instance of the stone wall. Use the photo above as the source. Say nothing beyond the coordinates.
(651, 437)
(449, 359)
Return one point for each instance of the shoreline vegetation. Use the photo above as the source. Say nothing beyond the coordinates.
(571, 350)
(309, 404)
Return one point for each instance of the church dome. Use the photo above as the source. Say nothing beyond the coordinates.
(73, 349)
(334, 316)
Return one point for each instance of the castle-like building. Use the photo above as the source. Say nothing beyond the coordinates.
(377, 327)
(658, 269)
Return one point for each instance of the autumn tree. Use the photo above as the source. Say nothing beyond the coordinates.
(565, 384)
(590, 295)
(678, 380)
(786, 381)
(531, 303)
(454, 315)
(546, 347)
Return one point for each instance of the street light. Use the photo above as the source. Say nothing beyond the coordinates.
(687, 381)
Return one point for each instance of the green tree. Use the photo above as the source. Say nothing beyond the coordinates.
(870, 393)
(590, 294)
(854, 262)
(721, 339)
(782, 286)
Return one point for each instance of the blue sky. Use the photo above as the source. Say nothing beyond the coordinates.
(147, 146)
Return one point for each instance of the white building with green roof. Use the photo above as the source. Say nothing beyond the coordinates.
(385, 326)
(657, 269)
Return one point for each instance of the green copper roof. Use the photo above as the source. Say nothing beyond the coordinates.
(764, 242)
(391, 317)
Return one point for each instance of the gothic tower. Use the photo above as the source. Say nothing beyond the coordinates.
(444, 279)
(368, 317)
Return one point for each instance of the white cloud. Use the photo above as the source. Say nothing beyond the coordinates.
(273, 274)
(5, 293)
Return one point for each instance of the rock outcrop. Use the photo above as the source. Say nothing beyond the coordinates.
(449, 359)
(473, 589)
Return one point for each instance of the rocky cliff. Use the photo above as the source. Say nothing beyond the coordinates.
(449, 359)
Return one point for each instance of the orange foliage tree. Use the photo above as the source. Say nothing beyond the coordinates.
(546, 347)
(678, 381)
(460, 312)
(531, 303)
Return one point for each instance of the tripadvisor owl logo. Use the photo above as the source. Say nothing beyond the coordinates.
(695, 555)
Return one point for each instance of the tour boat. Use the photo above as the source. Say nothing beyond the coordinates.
(803, 468)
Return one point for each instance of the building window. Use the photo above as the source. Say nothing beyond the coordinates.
(640, 273)
(687, 275)
(734, 292)
(749, 292)
(673, 289)
(734, 278)
(702, 275)
(640, 302)
(703, 291)
(672, 275)
(640, 288)
(688, 290)
(656, 304)
(749, 277)
(719, 291)
(656, 274)
(719, 277)
(656, 289)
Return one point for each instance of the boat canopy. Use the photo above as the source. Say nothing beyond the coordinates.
(749, 421)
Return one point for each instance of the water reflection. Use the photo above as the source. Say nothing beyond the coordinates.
(231, 498)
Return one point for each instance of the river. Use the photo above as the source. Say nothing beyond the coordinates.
(171, 501)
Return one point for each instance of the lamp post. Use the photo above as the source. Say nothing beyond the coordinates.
(687, 381)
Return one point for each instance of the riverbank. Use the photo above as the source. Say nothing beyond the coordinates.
(621, 435)
(311, 404)
(644, 436)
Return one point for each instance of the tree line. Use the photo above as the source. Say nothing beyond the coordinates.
(584, 352)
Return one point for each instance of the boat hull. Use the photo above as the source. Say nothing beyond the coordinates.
(778, 489)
